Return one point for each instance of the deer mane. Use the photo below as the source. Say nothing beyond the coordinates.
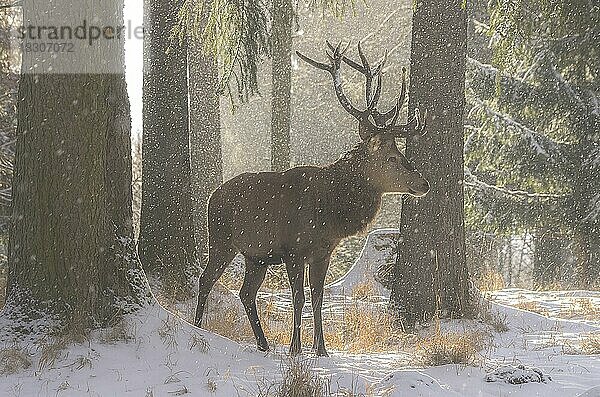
(348, 202)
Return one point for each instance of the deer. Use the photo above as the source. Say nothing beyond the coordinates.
(300, 215)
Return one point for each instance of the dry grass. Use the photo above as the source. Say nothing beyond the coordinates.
(582, 308)
(52, 350)
(489, 281)
(298, 380)
(230, 323)
(197, 342)
(278, 325)
(483, 311)
(444, 348)
(531, 306)
(363, 291)
(168, 331)
(364, 329)
(591, 344)
(119, 332)
(553, 286)
(211, 386)
(13, 360)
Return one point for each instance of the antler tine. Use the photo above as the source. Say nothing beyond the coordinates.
(363, 58)
(394, 112)
(344, 50)
(337, 85)
(415, 127)
(366, 70)
(372, 101)
(314, 63)
(347, 61)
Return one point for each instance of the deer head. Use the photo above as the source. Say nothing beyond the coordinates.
(386, 167)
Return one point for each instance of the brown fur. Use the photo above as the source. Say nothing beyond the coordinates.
(298, 217)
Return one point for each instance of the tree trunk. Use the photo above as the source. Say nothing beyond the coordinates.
(166, 242)
(282, 84)
(547, 258)
(71, 251)
(431, 269)
(509, 261)
(586, 229)
(205, 139)
(587, 256)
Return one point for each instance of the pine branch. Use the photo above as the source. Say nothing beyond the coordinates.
(569, 90)
(474, 182)
(487, 82)
(542, 144)
(15, 4)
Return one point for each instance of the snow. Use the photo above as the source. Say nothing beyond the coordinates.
(377, 252)
(166, 356)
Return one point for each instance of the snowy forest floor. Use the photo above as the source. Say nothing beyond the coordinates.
(533, 344)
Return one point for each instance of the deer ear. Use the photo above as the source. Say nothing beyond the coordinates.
(374, 143)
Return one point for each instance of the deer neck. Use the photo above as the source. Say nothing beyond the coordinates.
(350, 202)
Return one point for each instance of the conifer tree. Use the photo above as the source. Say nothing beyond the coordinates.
(533, 152)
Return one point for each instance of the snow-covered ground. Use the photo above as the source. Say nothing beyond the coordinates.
(155, 353)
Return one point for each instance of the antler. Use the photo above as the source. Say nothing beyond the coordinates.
(371, 121)
(371, 98)
(333, 68)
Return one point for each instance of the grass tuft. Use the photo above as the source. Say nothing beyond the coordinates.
(450, 348)
(365, 328)
(591, 344)
(489, 281)
(483, 312)
(532, 306)
(119, 332)
(298, 380)
(52, 350)
(211, 386)
(13, 360)
(198, 342)
(363, 291)
(229, 323)
(168, 332)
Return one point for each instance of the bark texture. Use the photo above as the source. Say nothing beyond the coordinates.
(281, 84)
(205, 139)
(71, 251)
(166, 242)
(431, 272)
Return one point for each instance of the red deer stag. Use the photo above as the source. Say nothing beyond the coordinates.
(299, 216)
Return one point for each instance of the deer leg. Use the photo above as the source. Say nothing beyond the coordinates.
(218, 260)
(254, 277)
(295, 271)
(316, 276)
